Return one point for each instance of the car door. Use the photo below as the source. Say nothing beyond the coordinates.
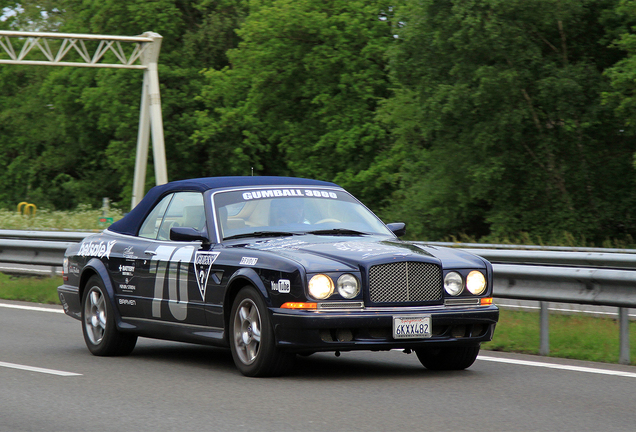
(170, 289)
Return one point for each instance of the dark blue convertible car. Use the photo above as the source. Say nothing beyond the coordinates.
(272, 267)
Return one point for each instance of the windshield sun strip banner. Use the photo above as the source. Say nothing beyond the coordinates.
(260, 192)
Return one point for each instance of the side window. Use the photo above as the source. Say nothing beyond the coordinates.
(150, 227)
(185, 210)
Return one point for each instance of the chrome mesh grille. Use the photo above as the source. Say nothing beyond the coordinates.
(405, 282)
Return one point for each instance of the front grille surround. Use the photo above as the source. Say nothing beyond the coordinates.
(405, 282)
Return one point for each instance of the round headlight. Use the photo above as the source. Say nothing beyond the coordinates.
(476, 282)
(453, 283)
(348, 286)
(320, 286)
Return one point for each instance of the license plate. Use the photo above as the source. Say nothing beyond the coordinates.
(412, 327)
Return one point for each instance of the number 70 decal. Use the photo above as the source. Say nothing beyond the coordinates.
(177, 262)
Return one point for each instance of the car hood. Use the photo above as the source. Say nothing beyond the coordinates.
(326, 253)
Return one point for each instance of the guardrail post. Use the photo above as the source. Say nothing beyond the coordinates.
(623, 320)
(544, 330)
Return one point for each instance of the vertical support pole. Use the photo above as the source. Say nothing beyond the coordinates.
(105, 206)
(156, 126)
(143, 141)
(623, 319)
(544, 327)
(150, 121)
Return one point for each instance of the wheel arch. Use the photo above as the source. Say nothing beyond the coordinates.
(95, 267)
(240, 279)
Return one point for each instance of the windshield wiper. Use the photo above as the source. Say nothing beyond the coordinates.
(261, 234)
(337, 231)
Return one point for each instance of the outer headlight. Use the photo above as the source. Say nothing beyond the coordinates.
(476, 282)
(453, 283)
(320, 286)
(348, 286)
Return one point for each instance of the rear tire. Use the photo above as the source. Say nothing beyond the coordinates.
(252, 340)
(448, 358)
(98, 323)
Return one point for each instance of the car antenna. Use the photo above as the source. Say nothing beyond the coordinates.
(252, 171)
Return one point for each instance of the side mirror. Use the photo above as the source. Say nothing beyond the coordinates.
(187, 234)
(398, 228)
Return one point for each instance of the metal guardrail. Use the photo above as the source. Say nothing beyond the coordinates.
(593, 278)
(589, 276)
(44, 248)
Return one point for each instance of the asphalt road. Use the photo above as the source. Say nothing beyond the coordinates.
(165, 386)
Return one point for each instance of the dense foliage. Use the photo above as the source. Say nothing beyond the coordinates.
(489, 119)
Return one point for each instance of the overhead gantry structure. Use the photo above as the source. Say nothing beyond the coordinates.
(101, 51)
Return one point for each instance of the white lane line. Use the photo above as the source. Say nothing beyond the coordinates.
(31, 308)
(32, 368)
(558, 366)
(37, 369)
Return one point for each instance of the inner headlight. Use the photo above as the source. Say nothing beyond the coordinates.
(348, 286)
(476, 282)
(453, 283)
(320, 286)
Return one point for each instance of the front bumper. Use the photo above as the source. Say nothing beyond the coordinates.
(372, 328)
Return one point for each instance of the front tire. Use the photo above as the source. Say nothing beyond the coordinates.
(98, 323)
(252, 340)
(448, 358)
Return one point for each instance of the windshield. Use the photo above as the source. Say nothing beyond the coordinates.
(289, 211)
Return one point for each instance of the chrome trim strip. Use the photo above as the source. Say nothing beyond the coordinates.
(340, 305)
(462, 302)
(131, 320)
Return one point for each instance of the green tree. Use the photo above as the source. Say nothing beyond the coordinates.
(72, 132)
(301, 91)
(622, 74)
(498, 124)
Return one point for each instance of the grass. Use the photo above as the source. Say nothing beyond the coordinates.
(29, 288)
(83, 218)
(571, 336)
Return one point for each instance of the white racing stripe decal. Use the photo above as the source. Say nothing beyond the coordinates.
(37, 369)
(31, 308)
(558, 366)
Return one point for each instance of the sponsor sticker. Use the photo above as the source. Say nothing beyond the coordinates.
(127, 287)
(283, 286)
(202, 264)
(275, 193)
(129, 254)
(127, 270)
(94, 249)
(248, 261)
(127, 302)
(73, 269)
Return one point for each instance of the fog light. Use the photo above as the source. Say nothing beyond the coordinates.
(348, 286)
(453, 283)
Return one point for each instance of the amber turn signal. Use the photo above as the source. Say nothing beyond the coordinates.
(299, 305)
